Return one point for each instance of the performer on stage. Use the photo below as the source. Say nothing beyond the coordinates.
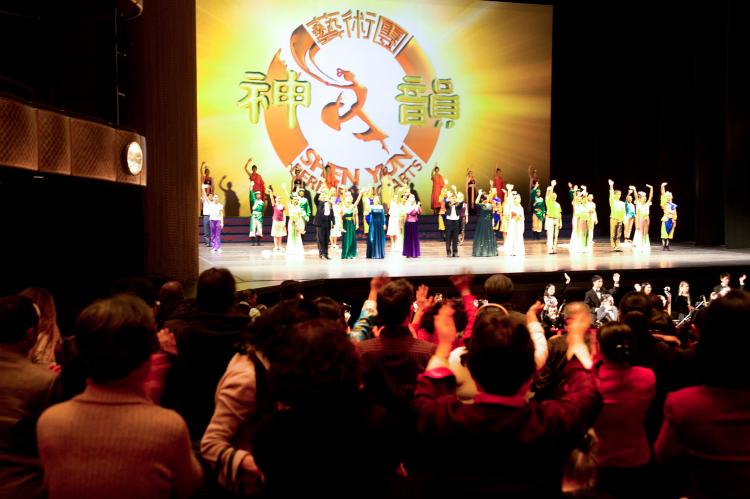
(669, 219)
(553, 223)
(296, 227)
(453, 210)
(437, 185)
(533, 180)
(323, 221)
(501, 211)
(386, 188)
(580, 221)
(216, 220)
(351, 224)
(329, 176)
(376, 236)
(641, 240)
(207, 188)
(593, 221)
(367, 197)
(256, 182)
(278, 227)
(338, 220)
(256, 214)
(471, 192)
(464, 218)
(498, 182)
(616, 216)
(394, 223)
(629, 220)
(412, 210)
(514, 242)
(444, 193)
(484, 243)
(539, 210)
(300, 187)
(306, 210)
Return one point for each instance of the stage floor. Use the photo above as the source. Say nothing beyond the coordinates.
(259, 266)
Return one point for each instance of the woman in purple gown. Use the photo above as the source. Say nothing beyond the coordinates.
(412, 209)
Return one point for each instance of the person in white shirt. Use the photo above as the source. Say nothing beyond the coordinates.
(216, 220)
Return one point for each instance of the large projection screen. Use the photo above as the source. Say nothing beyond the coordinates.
(367, 87)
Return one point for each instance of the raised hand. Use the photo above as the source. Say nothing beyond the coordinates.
(553, 183)
(611, 182)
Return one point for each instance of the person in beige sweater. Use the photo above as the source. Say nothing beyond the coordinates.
(112, 441)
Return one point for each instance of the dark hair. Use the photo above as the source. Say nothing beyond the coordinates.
(596, 277)
(499, 289)
(267, 331)
(501, 354)
(216, 289)
(635, 302)
(546, 288)
(317, 365)
(17, 316)
(139, 286)
(615, 341)
(115, 336)
(330, 309)
(459, 315)
(657, 305)
(394, 302)
(724, 274)
(289, 290)
(724, 327)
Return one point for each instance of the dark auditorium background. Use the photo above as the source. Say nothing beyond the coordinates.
(641, 90)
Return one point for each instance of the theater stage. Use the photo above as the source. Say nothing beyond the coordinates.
(259, 267)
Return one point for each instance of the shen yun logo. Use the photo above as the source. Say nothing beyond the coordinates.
(354, 91)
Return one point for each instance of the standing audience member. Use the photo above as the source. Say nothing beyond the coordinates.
(593, 297)
(707, 427)
(112, 441)
(532, 440)
(206, 337)
(26, 390)
(622, 451)
(326, 441)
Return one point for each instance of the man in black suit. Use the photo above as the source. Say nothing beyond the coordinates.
(594, 295)
(453, 210)
(323, 221)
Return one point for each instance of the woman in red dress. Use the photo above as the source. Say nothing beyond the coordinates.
(437, 185)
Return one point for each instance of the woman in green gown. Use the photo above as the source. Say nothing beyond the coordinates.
(484, 243)
(351, 223)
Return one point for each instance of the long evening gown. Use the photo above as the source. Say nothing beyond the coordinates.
(349, 239)
(484, 243)
(376, 236)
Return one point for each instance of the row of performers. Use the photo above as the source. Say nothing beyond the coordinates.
(337, 217)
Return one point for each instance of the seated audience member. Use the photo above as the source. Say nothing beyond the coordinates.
(532, 440)
(26, 390)
(706, 428)
(392, 361)
(243, 398)
(607, 312)
(206, 339)
(622, 451)
(171, 294)
(326, 441)
(498, 289)
(48, 340)
(112, 441)
(332, 310)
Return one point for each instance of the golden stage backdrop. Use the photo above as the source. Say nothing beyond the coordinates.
(372, 87)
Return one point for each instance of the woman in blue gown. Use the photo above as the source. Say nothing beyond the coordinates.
(484, 243)
(376, 235)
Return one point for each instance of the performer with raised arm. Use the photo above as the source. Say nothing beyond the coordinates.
(351, 224)
(437, 186)
(278, 227)
(616, 216)
(471, 192)
(256, 182)
(338, 219)
(641, 241)
(412, 210)
(216, 220)
(207, 188)
(296, 226)
(539, 210)
(256, 214)
(669, 219)
(453, 212)
(394, 223)
(629, 220)
(324, 220)
(484, 243)
(553, 223)
(498, 182)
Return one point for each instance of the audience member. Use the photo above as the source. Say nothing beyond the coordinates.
(48, 340)
(707, 427)
(593, 298)
(112, 441)
(532, 439)
(498, 289)
(26, 390)
(622, 451)
(206, 339)
(171, 294)
(326, 441)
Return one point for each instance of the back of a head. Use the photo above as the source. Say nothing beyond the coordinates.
(267, 331)
(139, 286)
(635, 302)
(499, 289)
(317, 364)
(723, 328)
(216, 290)
(330, 309)
(394, 302)
(501, 354)
(44, 300)
(115, 336)
(615, 341)
(171, 292)
(459, 315)
(290, 290)
(17, 316)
